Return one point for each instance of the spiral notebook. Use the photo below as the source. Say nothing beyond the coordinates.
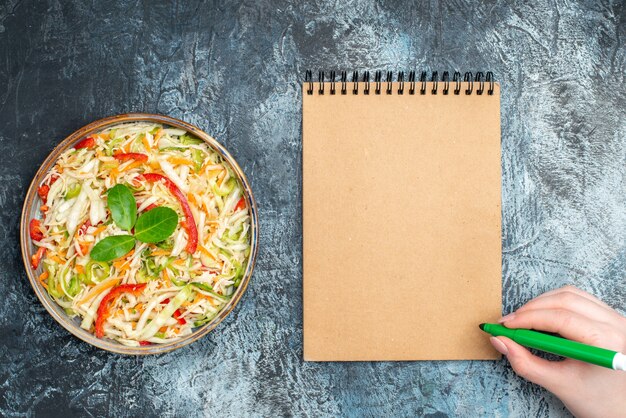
(401, 216)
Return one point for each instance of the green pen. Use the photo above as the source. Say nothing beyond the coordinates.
(559, 346)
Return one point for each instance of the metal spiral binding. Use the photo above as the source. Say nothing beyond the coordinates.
(457, 80)
(320, 91)
(490, 81)
(445, 77)
(435, 80)
(481, 86)
(468, 79)
(482, 82)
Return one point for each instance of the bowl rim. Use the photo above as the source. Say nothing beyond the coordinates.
(27, 247)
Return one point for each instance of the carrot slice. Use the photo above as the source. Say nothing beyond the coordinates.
(206, 252)
(42, 279)
(99, 229)
(159, 252)
(132, 165)
(179, 160)
(99, 288)
(146, 143)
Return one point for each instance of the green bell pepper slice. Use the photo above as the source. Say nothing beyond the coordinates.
(73, 191)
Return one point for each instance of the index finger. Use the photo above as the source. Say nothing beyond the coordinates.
(566, 323)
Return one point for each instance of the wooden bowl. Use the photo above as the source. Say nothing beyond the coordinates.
(32, 203)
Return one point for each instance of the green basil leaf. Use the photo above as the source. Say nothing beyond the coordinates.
(156, 224)
(122, 205)
(112, 247)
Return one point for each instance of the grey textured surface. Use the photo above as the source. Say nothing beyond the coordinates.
(234, 69)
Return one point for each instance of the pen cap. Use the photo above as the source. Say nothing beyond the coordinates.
(619, 362)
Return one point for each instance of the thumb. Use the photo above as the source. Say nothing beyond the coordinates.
(548, 374)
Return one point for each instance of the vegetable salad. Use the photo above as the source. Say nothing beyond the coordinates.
(144, 233)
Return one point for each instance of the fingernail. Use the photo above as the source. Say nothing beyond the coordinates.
(506, 318)
(499, 345)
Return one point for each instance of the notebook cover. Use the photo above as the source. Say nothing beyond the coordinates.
(401, 224)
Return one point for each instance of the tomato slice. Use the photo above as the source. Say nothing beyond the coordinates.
(241, 204)
(34, 228)
(89, 142)
(36, 258)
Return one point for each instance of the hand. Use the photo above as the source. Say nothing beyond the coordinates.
(585, 389)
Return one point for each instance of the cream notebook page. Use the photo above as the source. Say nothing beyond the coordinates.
(401, 223)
